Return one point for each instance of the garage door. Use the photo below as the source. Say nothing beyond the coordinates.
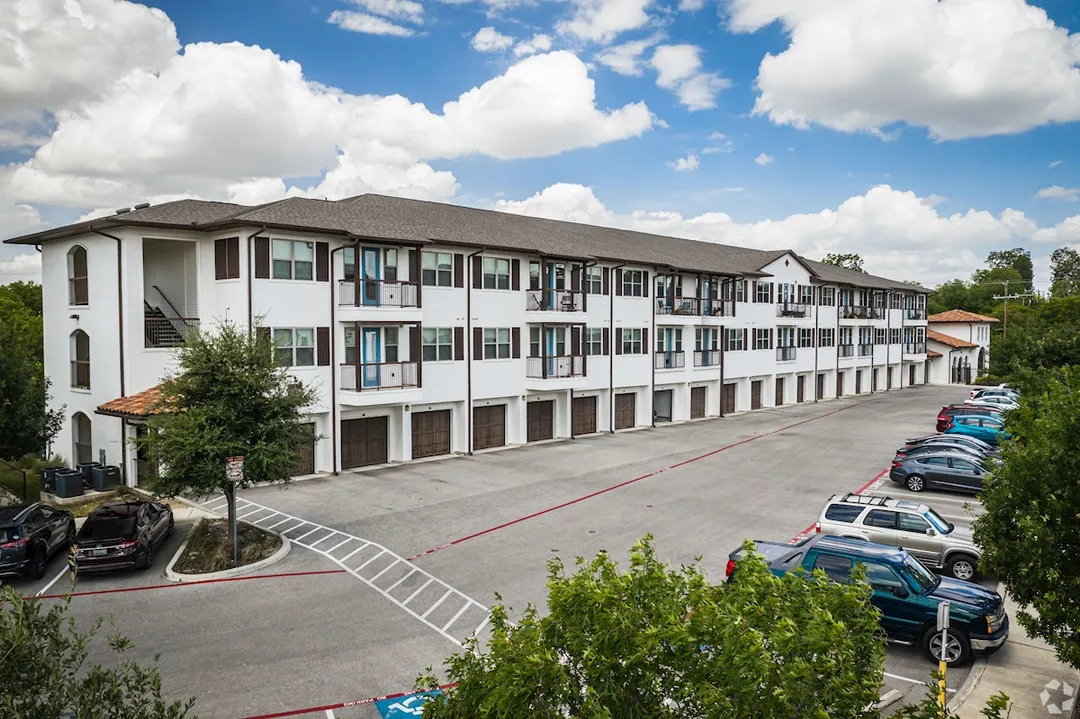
(800, 388)
(858, 381)
(489, 426)
(839, 384)
(727, 398)
(583, 415)
(889, 380)
(779, 391)
(697, 402)
(541, 420)
(821, 386)
(755, 394)
(874, 380)
(625, 411)
(363, 442)
(662, 405)
(305, 451)
(430, 433)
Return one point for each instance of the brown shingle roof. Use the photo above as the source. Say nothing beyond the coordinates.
(142, 404)
(932, 353)
(960, 316)
(948, 340)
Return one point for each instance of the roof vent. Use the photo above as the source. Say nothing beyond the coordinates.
(142, 205)
(122, 210)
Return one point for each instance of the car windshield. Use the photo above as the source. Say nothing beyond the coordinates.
(106, 527)
(938, 521)
(919, 575)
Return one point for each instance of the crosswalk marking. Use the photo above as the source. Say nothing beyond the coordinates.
(365, 545)
(436, 604)
(455, 617)
(393, 586)
(340, 544)
(422, 588)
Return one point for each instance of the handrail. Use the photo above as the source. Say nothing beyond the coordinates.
(170, 304)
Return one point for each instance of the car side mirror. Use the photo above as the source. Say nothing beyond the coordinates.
(900, 592)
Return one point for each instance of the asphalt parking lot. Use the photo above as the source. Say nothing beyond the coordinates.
(404, 560)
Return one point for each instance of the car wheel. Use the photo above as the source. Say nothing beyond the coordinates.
(38, 564)
(962, 567)
(915, 483)
(71, 534)
(172, 527)
(149, 556)
(957, 647)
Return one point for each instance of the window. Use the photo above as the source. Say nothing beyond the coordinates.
(896, 300)
(594, 341)
(879, 336)
(594, 280)
(806, 294)
(827, 337)
(390, 343)
(534, 342)
(934, 461)
(295, 347)
(80, 359)
(761, 339)
(879, 576)
(881, 518)
(227, 258)
(847, 298)
(437, 344)
(879, 299)
(843, 513)
(390, 264)
(836, 568)
(631, 341)
(77, 279)
(82, 438)
(913, 523)
(806, 337)
(705, 339)
(740, 290)
(496, 274)
(762, 291)
(964, 465)
(293, 260)
(350, 345)
(534, 275)
(348, 261)
(828, 296)
(669, 340)
(496, 343)
(631, 285)
(668, 285)
(735, 340)
(894, 336)
(437, 269)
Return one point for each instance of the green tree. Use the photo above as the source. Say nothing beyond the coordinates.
(228, 398)
(1030, 533)
(659, 642)
(951, 295)
(27, 293)
(1017, 258)
(26, 423)
(1064, 272)
(847, 260)
(1043, 335)
(44, 673)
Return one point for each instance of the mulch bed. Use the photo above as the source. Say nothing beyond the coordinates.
(209, 549)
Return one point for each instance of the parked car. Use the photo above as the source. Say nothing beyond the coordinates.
(936, 448)
(950, 411)
(122, 535)
(929, 537)
(990, 429)
(943, 470)
(29, 537)
(1005, 403)
(905, 592)
(963, 439)
(994, 392)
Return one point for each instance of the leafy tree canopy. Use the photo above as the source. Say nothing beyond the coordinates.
(1017, 258)
(847, 260)
(26, 423)
(1064, 272)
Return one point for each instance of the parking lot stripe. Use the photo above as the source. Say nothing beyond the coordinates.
(325, 538)
(340, 544)
(215, 501)
(385, 570)
(287, 518)
(297, 540)
(628, 482)
(456, 616)
(269, 516)
(363, 546)
(370, 561)
(172, 585)
(476, 632)
(912, 681)
(422, 588)
(394, 586)
(248, 514)
(55, 579)
(860, 490)
(436, 604)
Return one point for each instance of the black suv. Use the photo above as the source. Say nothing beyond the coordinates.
(30, 536)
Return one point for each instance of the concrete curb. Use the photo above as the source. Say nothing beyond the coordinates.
(174, 576)
(889, 698)
(973, 677)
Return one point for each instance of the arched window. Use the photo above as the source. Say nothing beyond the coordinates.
(78, 293)
(81, 438)
(80, 359)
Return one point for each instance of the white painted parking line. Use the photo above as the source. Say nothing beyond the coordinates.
(340, 544)
(370, 560)
(218, 508)
(269, 516)
(55, 579)
(386, 569)
(365, 545)
(324, 538)
(422, 588)
(287, 518)
(912, 681)
(248, 514)
(297, 540)
(394, 586)
(476, 632)
(329, 714)
(436, 604)
(456, 616)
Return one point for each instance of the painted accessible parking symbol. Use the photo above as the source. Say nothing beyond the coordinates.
(404, 707)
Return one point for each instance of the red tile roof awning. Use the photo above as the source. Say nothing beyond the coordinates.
(932, 353)
(140, 405)
(948, 340)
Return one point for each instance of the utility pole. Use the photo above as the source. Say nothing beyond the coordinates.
(1006, 297)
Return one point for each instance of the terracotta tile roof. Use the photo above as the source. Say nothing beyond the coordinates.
(142, 404)
(960, 316)
(932, 353)
(948, 339)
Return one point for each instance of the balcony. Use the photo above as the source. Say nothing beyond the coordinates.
(707, 358)
(845, 350)
(786, 354)
(915, 348)
(858, 312)
(669, 360)
(379, 376)
(915, 313)
(792, 309)
(378, 293)
(162, 331)
(866, 350)
(695, 307)
(554, 301)
(556, 367)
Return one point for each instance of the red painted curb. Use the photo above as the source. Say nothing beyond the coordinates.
(189, 584)
(860, 490)
(341, 705)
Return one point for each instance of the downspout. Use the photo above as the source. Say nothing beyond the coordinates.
(120, 334)
(250, 273)
(651, 353)
(723, 351)
(468, 349)
(872, 345)
(888, 343)
(903, 312)
(333, 364)
(817, 341)
(611, 349)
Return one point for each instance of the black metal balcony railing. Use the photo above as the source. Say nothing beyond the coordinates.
(376, 376)
(915, 313)
(694, 307)
(915, 348)
(865, 350)
(168, 331)
(718, 308)
(80, 374)
(554, 301)
(707, 358)
(845, 350)
(378, 293)
(858, 312)
(558, 367)
(791, 309)
(669, 360)
(785, 354)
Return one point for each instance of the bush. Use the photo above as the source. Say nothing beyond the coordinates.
(989, 379)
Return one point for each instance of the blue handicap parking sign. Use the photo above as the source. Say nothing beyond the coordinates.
(404, 707)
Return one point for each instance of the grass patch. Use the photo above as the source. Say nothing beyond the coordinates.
(83, 509)
(209, 550)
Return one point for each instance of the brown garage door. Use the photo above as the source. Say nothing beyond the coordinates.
(727, 398)
(800, 388)
(889, 380)
(625, 411)
(697, 402)
(363, 442)
(755, 394)
(583, 415)
(821, 386)
(541, 420)
(874, 381)
(858, 381)
(489, 426)
(430, 433)
(779, 391)
(839, 384)
(305, 451)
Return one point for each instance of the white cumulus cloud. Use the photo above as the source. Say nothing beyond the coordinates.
(764, 159)
(627, 59)
(488, 39)
(400, 9)
(1056, 192)
(601, 20)
(362, 22)
(686, 164)
(537, 43)
(678, 69)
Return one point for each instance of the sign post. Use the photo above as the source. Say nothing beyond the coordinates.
(943, 627)
(234, 473)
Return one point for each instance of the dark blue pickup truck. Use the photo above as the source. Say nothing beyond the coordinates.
(905, 592)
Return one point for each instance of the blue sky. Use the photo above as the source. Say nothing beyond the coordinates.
(836, 122)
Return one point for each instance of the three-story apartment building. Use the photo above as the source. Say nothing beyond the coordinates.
(429, 329)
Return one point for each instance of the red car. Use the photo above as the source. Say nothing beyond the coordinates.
(948, 412)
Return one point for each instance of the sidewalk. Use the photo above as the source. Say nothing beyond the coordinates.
(1024, 668)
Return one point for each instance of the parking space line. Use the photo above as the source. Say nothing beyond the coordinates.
(297, 540)
(55, 579)
(287, 518)
(325, 538)
(422, 588)
(370, 561)
(215, 501)
(436, 604)
(173, 585)
(269, 516)
(329, 714)
(910, 680)
(456, 616)
(248, 514)
(394, 586)
(340, 544)
(386, 569)
(363, 546)
(476, 632)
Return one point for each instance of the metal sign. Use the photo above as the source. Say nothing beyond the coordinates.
(943, 616)
(234, 469)
(404, 707)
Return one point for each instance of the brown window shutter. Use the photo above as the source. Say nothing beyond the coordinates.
(606, 282)
(232, 257)
(262, 257)
(770, 338)
(262, 334)
(221, 260)
(618, 282)
(644, 284)
(618, 340)
(322, 346)
(416, 353)
(606, 337)
(515, 341)
(477, 272)
(459, 344)
(459, 270)
(575, 341)
(478, 343)
(772, 296)
(575, 279)
(322, 262)
(515, 275)
(753, 291)
(745, 339)
(645, 341)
